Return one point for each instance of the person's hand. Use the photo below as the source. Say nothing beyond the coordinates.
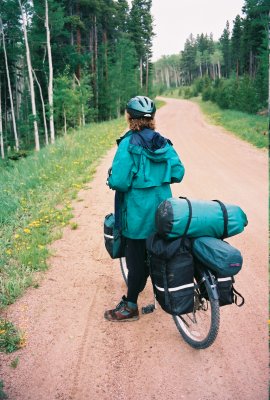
(109, 174)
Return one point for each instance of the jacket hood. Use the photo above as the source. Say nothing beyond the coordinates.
(151, 144)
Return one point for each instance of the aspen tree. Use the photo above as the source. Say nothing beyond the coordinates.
(43, 109)
(31, 81)
(50, 86)
(9, 88)
(1, 128)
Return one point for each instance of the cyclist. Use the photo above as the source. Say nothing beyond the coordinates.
(143, 168)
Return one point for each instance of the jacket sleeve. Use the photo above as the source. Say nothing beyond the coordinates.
(177, 168)
(122, 173)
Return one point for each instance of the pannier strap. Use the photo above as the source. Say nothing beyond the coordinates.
(225, 217)
(189, 215)
(165, 284)
(236, 294)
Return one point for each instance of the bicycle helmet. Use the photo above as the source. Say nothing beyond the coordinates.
(141, 107)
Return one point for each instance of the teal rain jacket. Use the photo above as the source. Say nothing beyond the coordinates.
(143, 168)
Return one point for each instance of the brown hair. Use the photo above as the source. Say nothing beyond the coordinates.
(140, 123)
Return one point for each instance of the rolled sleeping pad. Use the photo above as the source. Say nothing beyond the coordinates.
(208, 218)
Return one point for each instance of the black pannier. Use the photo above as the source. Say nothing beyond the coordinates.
(172, 271)
(226, 291)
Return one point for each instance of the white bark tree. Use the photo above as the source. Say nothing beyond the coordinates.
(43, 109)
(82, 105)
(31, 80)
(50, 86)
(9, 88)
(1, 128)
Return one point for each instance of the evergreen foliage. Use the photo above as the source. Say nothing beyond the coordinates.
(232, 72)
(100, 54)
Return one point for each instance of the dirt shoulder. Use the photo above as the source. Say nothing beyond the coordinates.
(73, 353)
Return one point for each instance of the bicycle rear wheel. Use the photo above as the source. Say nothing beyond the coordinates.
(124, 269)
(200, 328)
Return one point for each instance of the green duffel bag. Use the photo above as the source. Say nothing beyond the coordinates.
(208, 218)
(218, 255)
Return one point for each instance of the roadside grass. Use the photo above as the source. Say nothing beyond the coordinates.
(11, 338)
(160, 103)
(35, 201)
(3, 395)
(249, 127)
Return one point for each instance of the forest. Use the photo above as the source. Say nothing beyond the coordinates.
(65, 63)
(233, 71)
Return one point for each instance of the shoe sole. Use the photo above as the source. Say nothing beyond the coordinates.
(123, 320)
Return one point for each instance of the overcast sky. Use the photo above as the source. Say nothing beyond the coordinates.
(174, 20)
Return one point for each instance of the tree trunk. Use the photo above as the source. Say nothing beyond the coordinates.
(31, 81)
(79, 41)
(43, 109)
(167, 77)
(9, 89)
(71, 32)
(96, 61)
(219, 70)
(214, 71)
(81, 119)
(91, 49)
(65, 120)
(201, 69)
(250, 63)
(1, 128)
(141, 73)
(50, 86)
(105, 43)
(147, 75)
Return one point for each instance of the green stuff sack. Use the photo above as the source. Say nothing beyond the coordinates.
(209, 218)
(218, 255)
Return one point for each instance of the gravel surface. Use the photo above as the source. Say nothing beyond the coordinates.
(73, 353)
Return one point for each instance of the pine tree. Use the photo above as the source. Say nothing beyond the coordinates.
(236, 45)
(141, 32)
(226, 49)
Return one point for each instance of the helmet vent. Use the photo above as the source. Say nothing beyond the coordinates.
(146, 100)
(141, 103)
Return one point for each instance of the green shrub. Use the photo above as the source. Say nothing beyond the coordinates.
(207, 94)
(187, 93)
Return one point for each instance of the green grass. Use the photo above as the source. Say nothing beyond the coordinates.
(35, 201)
(11, 338)
(3, 395)
(160, 103)
(249, 127)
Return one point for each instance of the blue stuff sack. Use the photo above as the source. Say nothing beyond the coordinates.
(218, 255)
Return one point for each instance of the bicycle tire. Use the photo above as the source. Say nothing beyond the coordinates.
(124, 270)
(192, 337)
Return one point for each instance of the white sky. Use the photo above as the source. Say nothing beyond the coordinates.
(174, 20)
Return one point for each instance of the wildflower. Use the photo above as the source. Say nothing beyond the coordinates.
(8, 251)
(26, 230)
(16, 236)
(2, 332)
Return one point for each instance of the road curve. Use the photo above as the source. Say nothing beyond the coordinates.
(72, 353)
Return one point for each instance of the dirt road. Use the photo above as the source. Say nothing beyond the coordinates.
(72, 353)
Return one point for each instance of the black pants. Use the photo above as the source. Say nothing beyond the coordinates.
(138, 270)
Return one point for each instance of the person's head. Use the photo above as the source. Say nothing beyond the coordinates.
(140, 111)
